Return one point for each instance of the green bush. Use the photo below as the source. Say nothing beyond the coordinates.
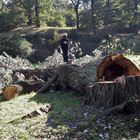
(15, 46)
(9, 20)
(57, 21)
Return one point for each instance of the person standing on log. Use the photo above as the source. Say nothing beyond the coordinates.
(65, 47)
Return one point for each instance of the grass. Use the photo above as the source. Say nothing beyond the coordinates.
(22, 31)
(67, 121)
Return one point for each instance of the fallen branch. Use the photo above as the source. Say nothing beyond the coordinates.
(34, 113)
(128, 107)
(48, 84)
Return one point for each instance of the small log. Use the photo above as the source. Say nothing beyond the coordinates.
(12, 91)
(21, 87)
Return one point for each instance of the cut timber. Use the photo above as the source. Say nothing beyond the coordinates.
(100, 69)
(12, 91)
(108, 94)
(106, 81)
(116, 65)
(21, 87)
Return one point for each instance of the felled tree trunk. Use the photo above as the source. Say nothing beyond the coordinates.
(102, 69)
(106, 81)
(78, 77)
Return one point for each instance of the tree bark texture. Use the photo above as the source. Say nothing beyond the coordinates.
(112, 93)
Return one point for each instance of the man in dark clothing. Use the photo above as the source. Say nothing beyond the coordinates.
(65, 47)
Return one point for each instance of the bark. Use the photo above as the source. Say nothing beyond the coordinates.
(77, 18)
(111, 93)
(29, 15)
(92, 16)
(47, 85)
(37, 13)
(76, 8)
(128, 107)
(108, 11)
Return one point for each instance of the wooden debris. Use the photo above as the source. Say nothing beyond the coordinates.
(35, 113)
(12, 91)
(48, 84)
(128, 107)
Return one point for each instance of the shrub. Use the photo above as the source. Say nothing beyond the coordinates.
(15, 46)
(9, 20)
(57, 21)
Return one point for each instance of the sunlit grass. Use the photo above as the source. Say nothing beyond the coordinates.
(29, 128)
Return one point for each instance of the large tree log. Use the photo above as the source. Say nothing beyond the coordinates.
(103, 68)
(87, 79)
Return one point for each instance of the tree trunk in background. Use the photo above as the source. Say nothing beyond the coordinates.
(29, 15)
(37, 13)
(93, 16)
(128, 6)
(135, 10)
(77, 18)
(108, 12)
(76, 7)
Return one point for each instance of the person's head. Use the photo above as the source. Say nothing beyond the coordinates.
(65, 35)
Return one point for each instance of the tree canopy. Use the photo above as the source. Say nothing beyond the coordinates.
(83, 14)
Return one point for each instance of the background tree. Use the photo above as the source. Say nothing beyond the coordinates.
(135, 10)
(76, 4)
(27, 5)
(93, 16)
(37, 13)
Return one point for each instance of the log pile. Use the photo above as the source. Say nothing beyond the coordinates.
(26, 81)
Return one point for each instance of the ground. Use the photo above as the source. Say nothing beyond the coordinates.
(68, 120)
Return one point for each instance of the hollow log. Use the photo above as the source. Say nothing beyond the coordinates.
(106, 81)
(98, 80)
(101, 69)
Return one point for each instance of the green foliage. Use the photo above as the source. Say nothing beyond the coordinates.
(15, 46)
(57, 20)
(9, 20)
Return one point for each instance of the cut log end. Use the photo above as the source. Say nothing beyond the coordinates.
(12, 91)
(116, 65)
